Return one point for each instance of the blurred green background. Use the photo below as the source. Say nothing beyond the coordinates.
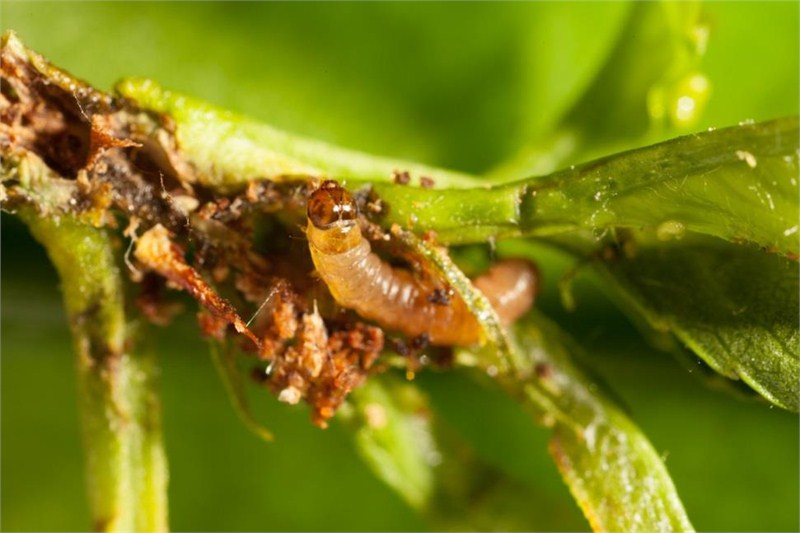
(457, 85)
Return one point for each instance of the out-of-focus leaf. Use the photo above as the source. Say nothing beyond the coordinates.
(562, 53)
(650, 80)
(440, 476)
(742, 33)
(735, 307)
(647, 74)
(393, 433)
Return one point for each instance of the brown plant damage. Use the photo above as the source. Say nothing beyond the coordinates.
(111, 164)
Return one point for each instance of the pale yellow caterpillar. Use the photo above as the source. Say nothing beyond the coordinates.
(360, 280)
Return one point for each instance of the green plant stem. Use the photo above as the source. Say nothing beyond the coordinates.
(498, 348)
(738, 183)
(615, 474)
(125, 461)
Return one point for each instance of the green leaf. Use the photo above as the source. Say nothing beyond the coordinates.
(738, 183)
(735, 307)
(612, 470)
(617, 477)
(439, 475)
(229, 150)
(650, 83)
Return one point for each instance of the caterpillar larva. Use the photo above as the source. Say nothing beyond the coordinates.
(359, 280)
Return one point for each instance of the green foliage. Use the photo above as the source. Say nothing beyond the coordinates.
(439, 474)
(229, 150)
(412, 105)
(393, 432)
(737, 183)
(735, 307)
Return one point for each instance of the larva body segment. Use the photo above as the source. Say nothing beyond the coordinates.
(359, 280)
(511, 286)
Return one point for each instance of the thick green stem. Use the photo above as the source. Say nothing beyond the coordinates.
(737, 183)
(126, 464)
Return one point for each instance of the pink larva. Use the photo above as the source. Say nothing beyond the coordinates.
(359, 280)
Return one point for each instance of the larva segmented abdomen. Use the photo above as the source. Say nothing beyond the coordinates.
(359, 280)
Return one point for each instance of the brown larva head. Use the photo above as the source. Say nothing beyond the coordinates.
(331, 205)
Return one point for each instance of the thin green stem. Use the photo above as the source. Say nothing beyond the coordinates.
(120, 410)
(223, 355)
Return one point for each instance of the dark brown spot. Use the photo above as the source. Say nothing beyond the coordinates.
(543, 370)
(444, 358)
(399, 346)
(440, 296)
(401, 178)
(421, 341)
(426, 182)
